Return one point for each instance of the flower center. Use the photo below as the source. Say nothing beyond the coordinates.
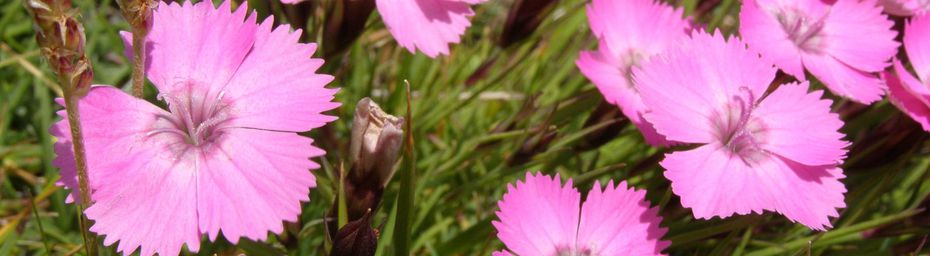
(196, 116)
(803, 29)
(570, 251)
(630, 59)
(738, 130)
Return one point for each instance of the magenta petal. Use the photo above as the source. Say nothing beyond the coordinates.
(909, 95)
(844, 80)
(727, 185)
(182, 47)
(859, 35)
(917, 44)
(800, 127)
(427, 25)
(538, 216)
(618, 221)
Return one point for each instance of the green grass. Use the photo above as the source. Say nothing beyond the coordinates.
(463, 143)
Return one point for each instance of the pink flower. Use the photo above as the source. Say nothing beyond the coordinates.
(776, 152)
(541, 217)
(629, 31)
(912, 94)
(427, 25)
(906, 7)
(842, 44)
(225, 156)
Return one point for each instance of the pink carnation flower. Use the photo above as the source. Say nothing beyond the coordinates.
(906, 7)
(427, 25)
(225, 156)
(776, 152)
(912, 94)
(541, 217)
(842, 44)
(629, 31)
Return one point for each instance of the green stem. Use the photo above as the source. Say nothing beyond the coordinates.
(80, 160)
(405, 197)
(138, 63)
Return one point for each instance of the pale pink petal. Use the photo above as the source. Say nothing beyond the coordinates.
(763, 33)
(844, 80)
(130, 176)
(618, 90)
(427, 25)
(249, 196)
(909, 95)
(181, 47)
(618, 221)
(917, 45)
(538, 216)
(685, 87)
(800, 127)
(713, 181)
(859, 35)
(276, 87)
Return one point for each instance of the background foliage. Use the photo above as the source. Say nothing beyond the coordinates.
(482, 116)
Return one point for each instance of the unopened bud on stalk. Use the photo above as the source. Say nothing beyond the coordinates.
(61, 38)
(356, 238)
(138, 13)
(376, 140)
(524, 17)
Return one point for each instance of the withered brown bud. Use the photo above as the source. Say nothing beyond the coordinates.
(344, 23)
(524, 17)
(138, 13)
(61, 37)
(356, 238)
(376, 141)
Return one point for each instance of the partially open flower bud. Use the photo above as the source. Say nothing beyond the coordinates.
(356, 238)
(376, 141)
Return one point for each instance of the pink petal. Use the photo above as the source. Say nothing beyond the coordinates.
(111, 122)
(764, 34)
(618, 221)
(909, 95)
(685, 87)
(276, 87)
(501, 253)
(130, 176)
(427, 25)
(844, 80)
(917, 45)
(249, 196)
(800, 127)
(646, 26)
(198, 43)
(859, 35)
(727, 184)
(538, 216)
(618, 90)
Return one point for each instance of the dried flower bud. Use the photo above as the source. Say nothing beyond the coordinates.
(356, 238)
(61, 38)
(344, 23)
(138, 13)
(524, 17)
(376, 141)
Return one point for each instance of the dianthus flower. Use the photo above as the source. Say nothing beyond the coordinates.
(225, 156)
(912, 94)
